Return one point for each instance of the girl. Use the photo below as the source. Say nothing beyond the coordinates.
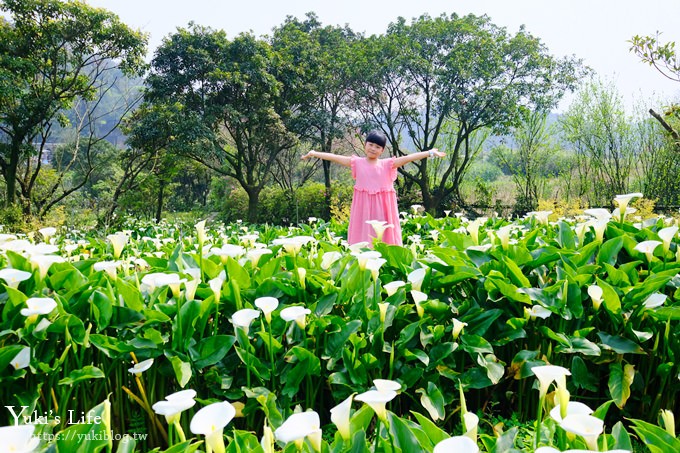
(374, 195)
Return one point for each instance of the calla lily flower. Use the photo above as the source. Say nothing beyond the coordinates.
(599, 227)
(623, 200)
(190, 287)
(584, 425)
(538, 311)
(379, 227)
(200, 232)
(249, 240)
(47, 233)
(110, 267)
(386, 385)
(118, 241)
(503, 235)
(668, 421)
(22, 359)
(329, 258)
(457, 328)
(44, 262)
(18, 439)
(457, 444)
(210, 421)
(216, 287)
(14, 276)
(580, 230)
(392, 287)
(573, 407)
(300, 426)
(648, 247)
(39, 306)
(374, 266)
(419, 297)
(655, 300)
(254, 255)
(228, 251)
(243, 318)
(267, 305)
(471, 421)
(598, 213)
(173, 405)
(159, 279)
(595, 293)
(42, 249)
(141, 367)
(542, 217)
(546, 375)
(667, 234)
(363, 258)
(267, 442)
(382, 307)
(340, 416)
(297, 314)
(416, 278)
(377, 401)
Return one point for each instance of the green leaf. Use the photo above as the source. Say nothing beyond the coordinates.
(211, 350)
(621, 438)
(610, 250)
(182, 370)
(85, 373)
(619, 344)
(620, 379)
(433, 401)
(434, 433)
(610, 297)
(94, 436)
(655, 438)
(405, 439)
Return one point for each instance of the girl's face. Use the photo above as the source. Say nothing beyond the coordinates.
(373, 151)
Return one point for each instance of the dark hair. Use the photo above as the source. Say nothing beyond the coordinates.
(377, 137)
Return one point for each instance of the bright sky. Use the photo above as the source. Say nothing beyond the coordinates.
(595, 30)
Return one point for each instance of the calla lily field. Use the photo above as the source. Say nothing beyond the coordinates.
(478, 335)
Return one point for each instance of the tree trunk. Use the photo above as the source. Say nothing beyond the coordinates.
(11, 175)
(253, 203)
(159, 204)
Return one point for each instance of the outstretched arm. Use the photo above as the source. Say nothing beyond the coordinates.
(338, 159)
(403, 160)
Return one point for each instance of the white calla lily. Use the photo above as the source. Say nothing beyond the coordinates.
(267, 305)
(379, 227)
(667, 235)
(416, 278)
(118, 241)
(457, 444)
(340, 416)
(18, 439)
(648, 247)
(38, 306)
(392, 287)
(13, 277)
(210, 422)
(297, 314)
(584, 425)
(22, 359)
(141, 367)
(244, 317)
(299, 426)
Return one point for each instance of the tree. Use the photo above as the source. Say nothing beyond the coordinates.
(598, 129)
(463, 70)
(320, 66)
(52, 53)
(663, 57)
(528, 160)
(231, 109)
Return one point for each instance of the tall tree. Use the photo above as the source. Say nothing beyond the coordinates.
(51, 54)
(320, 61)
(232, 108)
(599, 131)
(465, 70)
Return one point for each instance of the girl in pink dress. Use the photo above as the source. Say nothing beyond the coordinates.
(374, 195)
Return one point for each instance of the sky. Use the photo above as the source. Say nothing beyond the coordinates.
(597, 31)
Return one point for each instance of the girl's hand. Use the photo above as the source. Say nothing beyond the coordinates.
(436, 152)
(308, 155)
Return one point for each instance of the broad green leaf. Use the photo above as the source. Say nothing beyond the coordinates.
(405, 439)
(433, 401)
(619, 344)
(434, 433)
(655, 438)
(621, 438)
(610, 250)
(610, 297)
(620, 379)
(211, 350)
(182, 370)
(83, 374)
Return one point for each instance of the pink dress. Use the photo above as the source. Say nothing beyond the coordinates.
(374, 199)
